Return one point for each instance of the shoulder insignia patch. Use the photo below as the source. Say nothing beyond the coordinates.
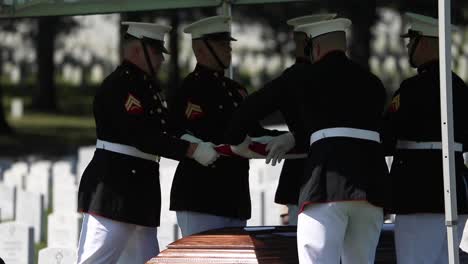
(395, 104)
(133, 105)
(193, 111)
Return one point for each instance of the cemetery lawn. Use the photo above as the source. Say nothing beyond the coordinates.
(48, 135)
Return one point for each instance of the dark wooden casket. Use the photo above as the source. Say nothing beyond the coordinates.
(272, 245)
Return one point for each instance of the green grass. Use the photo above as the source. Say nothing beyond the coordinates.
(47, 135)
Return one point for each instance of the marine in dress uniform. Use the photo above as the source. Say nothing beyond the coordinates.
(217, 196)
(342, 195)
(278, 95)
(413, 136)
(119, 192)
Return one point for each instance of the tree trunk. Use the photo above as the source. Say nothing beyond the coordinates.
(5, 128)
(363, 17)
(174, 72)
(45, 97)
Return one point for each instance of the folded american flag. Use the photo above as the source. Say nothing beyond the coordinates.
(256, 151)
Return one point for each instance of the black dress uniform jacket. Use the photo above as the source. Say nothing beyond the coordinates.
(340, 93)
(414, 115)
(128, 110)
(276, 95)
(203, 107)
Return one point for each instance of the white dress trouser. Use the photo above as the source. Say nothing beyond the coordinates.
(422, 238)
(293, 211)
(193, 222)
(102, 240)
(348, 230)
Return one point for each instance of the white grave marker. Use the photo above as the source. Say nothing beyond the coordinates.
(57, 255)
(16, 108)
(7, 202)
(16, 243)
(30, 211)
(63, 230)
(85, 155)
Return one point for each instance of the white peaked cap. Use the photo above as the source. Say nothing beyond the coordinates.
(298, 21)
(323, 27)
(209, 25)
(424, 25)
(148, 30)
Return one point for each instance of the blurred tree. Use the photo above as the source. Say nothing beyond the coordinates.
(5, 128)
(48, 28)
(363, 18)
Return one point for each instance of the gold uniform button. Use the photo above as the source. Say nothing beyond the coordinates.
(163, 121)
(133, 171)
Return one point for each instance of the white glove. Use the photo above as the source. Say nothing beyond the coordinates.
(190, 138)
(205, 154)
(278, 147)
(243, 147)
(263, 139)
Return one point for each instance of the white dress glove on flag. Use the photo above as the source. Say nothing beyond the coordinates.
(243, 149)
(205, 154)
(263, 139)
(191, 138)
(278, 147)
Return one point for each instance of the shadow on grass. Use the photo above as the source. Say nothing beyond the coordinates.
(47, 135)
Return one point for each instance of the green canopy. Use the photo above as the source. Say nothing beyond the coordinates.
(36, 8)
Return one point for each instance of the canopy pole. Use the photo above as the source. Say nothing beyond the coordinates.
(448, 155)
(226, 9)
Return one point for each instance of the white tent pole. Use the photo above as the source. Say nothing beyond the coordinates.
(448, 154)
(226, 10)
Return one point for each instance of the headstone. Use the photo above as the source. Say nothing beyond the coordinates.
(85, 155)
(16, 243)
(41, 166)
(166, 234)
(39, 182)
(16, 108)
(14, 178)
(58, 255)
(64, 194)
(63, 230)
(20, 167)
(7, 202)
(389, 161)
(271, 209)
(62, 168)
(30, 211)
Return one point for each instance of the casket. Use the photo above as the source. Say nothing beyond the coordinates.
(265, 244)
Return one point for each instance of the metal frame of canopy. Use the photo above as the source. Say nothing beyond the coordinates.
(34, 8)
(448, 153)
(37, 8)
